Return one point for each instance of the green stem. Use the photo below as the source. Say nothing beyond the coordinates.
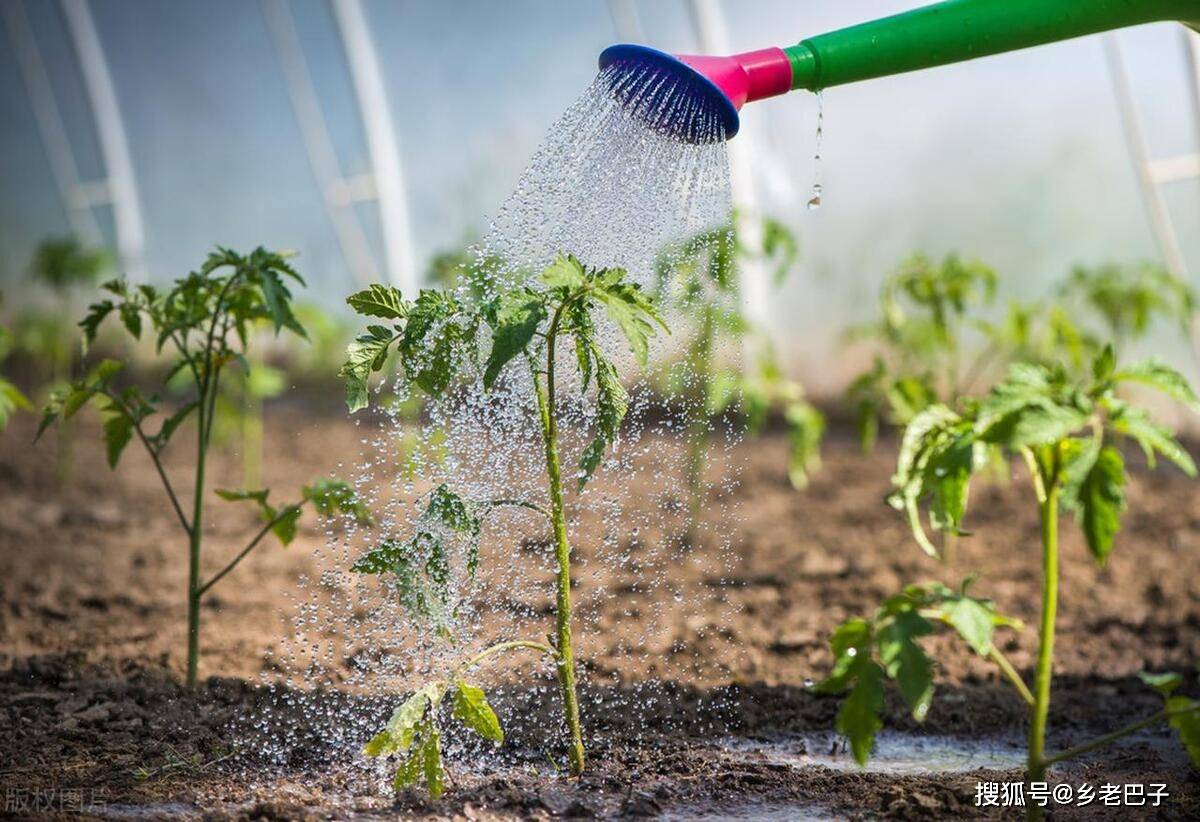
(562, 553)
(194, 541)
(1048, 510)
(500, 647)
(1107, 739)
(250, 546)
(1010, 673)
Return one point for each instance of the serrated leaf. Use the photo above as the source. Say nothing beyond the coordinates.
(97, 312)
(431, 754)
(450, 509)
(514, 317)
(611, 405)
(118, 431)
(1164, 683)
(366, 354)
(1153, 438)
(1161, 377)
(285, 524)
(471, 708)
(565, 272)
(171, 423)
(1040, 422)
(378, 745)
(905, 661)
(381, 559)
(277, 299)
(850, 640)
(379, 301)
(858, 719)
(11, 399)
(331, 496)
(1101, 501)
(973, 620)
(632, 311)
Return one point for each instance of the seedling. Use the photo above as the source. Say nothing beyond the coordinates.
(11, 398)
(1129, 300)
(1066, 431)
(436, 337)
(204, 321)
(919, 339)
(702, 279)
(64, 268)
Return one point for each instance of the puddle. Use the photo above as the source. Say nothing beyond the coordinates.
(752, 811)
(895, 753)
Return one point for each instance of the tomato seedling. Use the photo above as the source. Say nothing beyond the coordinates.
(436, 337)
(1066, 431)
(702, 279)
(204, 320)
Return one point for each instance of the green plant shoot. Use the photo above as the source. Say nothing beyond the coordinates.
(701, 278)
(436, 338)
(203, 322)
(11, 398)
(1067, 432)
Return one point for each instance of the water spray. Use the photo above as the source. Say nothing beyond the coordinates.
(696, 98)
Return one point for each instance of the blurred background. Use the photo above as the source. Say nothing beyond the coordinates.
(370, 135)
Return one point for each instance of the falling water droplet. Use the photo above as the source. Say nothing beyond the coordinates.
(815, 202)
(808, 683)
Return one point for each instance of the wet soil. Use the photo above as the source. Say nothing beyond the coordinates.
(92, 713)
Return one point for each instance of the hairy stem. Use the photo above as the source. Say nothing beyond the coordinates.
(1108, 739)
(1048, 510)
(1010, 673)
(562, 553)
(153, 452)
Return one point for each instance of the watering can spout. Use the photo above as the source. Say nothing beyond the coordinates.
(703, 94)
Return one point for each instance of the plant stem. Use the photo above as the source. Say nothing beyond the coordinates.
(194, 541)
(562, 553)
(250, 546)
(1048, 510)
(1100, 742)
(507, 646)
(1010, 673)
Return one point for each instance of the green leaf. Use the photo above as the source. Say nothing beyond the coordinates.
(97, 312)
(1164, 683)
(118, 431)
(973, 620)
(431, 754)
(259, 496)
(514, 317)
(448, 508)
(401, 728)
(858, 719)
(1152, 438)
(472, 709)
(1161, 377)
(1104, 364)
(806, 427)
(429, 346)
(632, 310)
(850, 641)
(285, 524)
(171, 423)
(331, 496)
(381, 559)
(409, 772)
(379, 301)
(131, 318)
(611, 405)
(378, 745)
(278, 299)
(905, 660)
(565, 272)
(366, 354)
(1101, 501)
(1040, 422)
(11, 399)
(1185, 719)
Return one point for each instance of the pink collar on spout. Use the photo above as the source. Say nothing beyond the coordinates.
(747, 77)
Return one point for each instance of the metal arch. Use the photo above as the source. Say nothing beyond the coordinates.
(338, 193)
(53, 132)
(382, 145)
(110, 131)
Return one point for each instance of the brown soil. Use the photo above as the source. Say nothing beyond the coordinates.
(92, 627)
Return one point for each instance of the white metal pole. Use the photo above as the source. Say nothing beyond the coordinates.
(1156, 207)
(626, 21)
(110, 132)
(713, 36)
(367, 77)
(322, 157)
(50, 124)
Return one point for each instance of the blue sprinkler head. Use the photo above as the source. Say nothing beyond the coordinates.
(669, 95)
